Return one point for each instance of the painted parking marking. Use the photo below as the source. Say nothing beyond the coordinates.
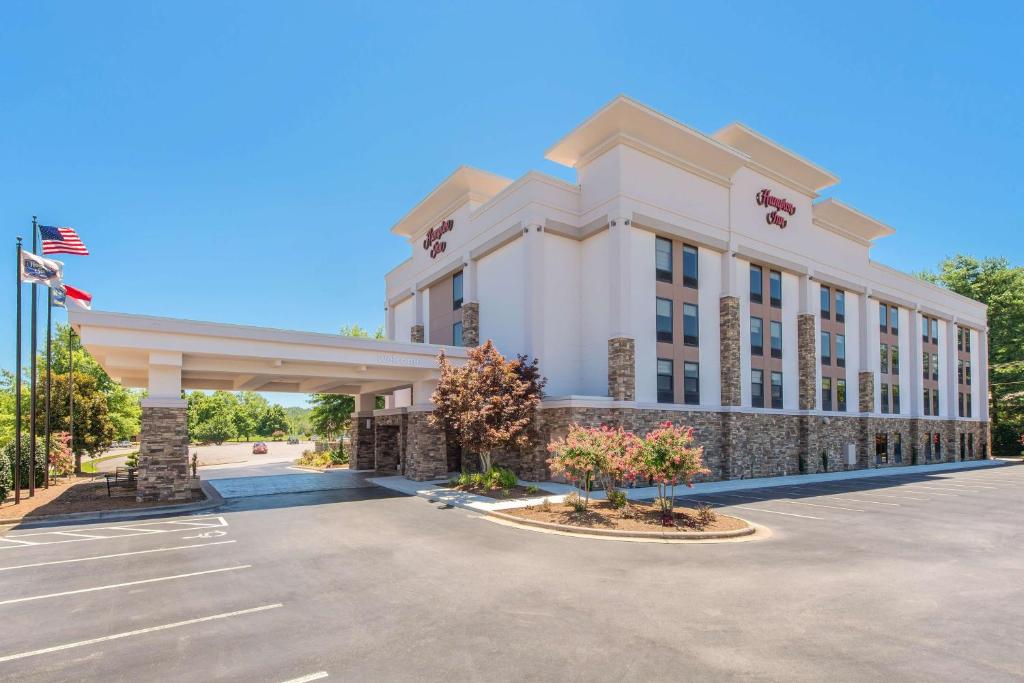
(137, 632)
(109, 532)
(123, 585)
(308, 677)
(791, 502)
(862, 492)
(113, 555)
(744, 507)
(835, 496)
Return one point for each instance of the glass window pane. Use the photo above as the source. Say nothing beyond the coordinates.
(457, 334)
(756, 337)
(690, 274)
(691, 383)
(775, 288)
(757, 388)
(755, 284)
(691, 325)
(776, 337)
(840, 305)
(664, 320)
(457, 291)
(663, 259)
(826, 302)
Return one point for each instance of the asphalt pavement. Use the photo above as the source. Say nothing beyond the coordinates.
(909, 578)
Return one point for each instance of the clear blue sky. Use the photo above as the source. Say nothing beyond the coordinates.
(243, 161)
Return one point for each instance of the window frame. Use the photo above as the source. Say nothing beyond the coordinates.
(457, 339)
(841, 394)
(660, 274)
(840, 306)
(775, 276)
(671, 380)
(691, 398)
(826, 394)
(777, 405)
(772, 326)
(757, 350)
(825, 342)
(756, 397)
(457, 288)
(693, 282)
(825, 302)
(691, 339)
(663, 335)
(758, 296)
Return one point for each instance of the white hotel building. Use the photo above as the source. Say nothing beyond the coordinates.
(684, 276)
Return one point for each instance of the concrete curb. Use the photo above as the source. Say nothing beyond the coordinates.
(615, 533)
(213, 499)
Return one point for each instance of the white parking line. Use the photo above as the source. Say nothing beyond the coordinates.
(123, 585)
(71, 533)
(786, 500)
(862, 492)
(309, 677)
(107, 557)
(126, 634)
(137, 529)
(776, 512)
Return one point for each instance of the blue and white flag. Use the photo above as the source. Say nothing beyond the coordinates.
(40, 271)
(59, 296)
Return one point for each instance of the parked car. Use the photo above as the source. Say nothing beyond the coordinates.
(293, 440)
(259, 448)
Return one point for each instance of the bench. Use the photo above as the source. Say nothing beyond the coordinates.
(121, 476)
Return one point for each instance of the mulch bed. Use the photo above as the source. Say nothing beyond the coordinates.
(78, 494)
(636, 517)
(502, 494)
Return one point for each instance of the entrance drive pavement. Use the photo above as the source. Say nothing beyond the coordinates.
(912, 577)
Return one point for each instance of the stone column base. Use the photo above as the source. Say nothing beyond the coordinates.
(363, 441)
(622, 368)
(416, 334)
(163, 455)
(426, 451)
(471, 324)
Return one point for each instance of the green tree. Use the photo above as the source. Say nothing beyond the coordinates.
(357, 331)
(331, 414)
(211, 416)
(273, 419)
(298, 420)
(94, 430)
(248, 413)
(994, 282)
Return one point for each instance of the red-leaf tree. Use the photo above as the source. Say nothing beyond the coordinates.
(489, 403)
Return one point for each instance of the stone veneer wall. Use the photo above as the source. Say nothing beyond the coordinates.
(163, 455)
(365, 439)
(729, 335)
(471, 324)
(866, 392)
(807, 361)
(426, 450)
(416, 334)
(622, 368)
(390, 432)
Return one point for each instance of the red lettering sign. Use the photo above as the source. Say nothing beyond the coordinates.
(776, 204)
(433, 242)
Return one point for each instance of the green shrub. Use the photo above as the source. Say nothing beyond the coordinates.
(504, 478)
(576, 502)
(617, 499)
(706, 514)
(133, 459)
(6, 478)
(8, 455)
(313, 459)
(532, 490)
(339, 456)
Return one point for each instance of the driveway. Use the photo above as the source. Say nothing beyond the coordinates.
(905, 578)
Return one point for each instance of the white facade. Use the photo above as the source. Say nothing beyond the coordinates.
(559, 269)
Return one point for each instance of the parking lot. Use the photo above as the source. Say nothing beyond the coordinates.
(914, 577)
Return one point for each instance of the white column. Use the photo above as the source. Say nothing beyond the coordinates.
(533, 289)
(980, 375)
(620, 278)
(729, 284)
(807, 302)
(868, 361)
(422, 390)
(164, 380)
(916, 368)
(365, 403)
(417, 307)
(952, 388)
(469, 279)
(389, 321)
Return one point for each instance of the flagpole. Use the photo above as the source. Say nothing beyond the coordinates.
(17, 386)
(32, 366)
(49, 347)
(71, 395)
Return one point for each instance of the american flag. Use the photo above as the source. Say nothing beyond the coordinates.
(61, 241)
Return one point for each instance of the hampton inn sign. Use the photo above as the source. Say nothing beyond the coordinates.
(433, 242)
(776, 204)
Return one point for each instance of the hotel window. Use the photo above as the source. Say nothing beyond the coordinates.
(927, 402)
(691, 383)
(776, 338)
(935, 330)
(924, 328)
(841, 350)
(924, 364)
(959, 339)
(691, 325)
(777, 390)
(663, 259)
(826, 393)
(457, 334)
(897, 447)
(967, 341)
(664, 320)
(894, 364)
(690, 266)
(665, 381)
(935, 366)
(775, 288)
(757, 388)
(935, 402)
(883, 317)
(967, 372)
(885, 397)
(457, 291)
(756, 290)
(896, 399)
(881, 448)
(960, 403)
(756, 337)
(826, 303)
(960, 371)
(894, 320)
(840, 306)
(883, 354)
(826, 348)
(841, 395)
(968, 405)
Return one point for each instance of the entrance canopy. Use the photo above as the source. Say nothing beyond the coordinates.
(166, 355)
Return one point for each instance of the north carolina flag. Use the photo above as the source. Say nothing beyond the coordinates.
(78, 297)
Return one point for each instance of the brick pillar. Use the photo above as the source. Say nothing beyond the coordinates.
(622, 368)
(416, 334)
(471, 324)
(365, 442)
(163, 473)
(729, 336)
(807, 361)
(426, 450)
(866, 391)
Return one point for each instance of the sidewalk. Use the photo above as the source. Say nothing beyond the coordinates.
(436, 491)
